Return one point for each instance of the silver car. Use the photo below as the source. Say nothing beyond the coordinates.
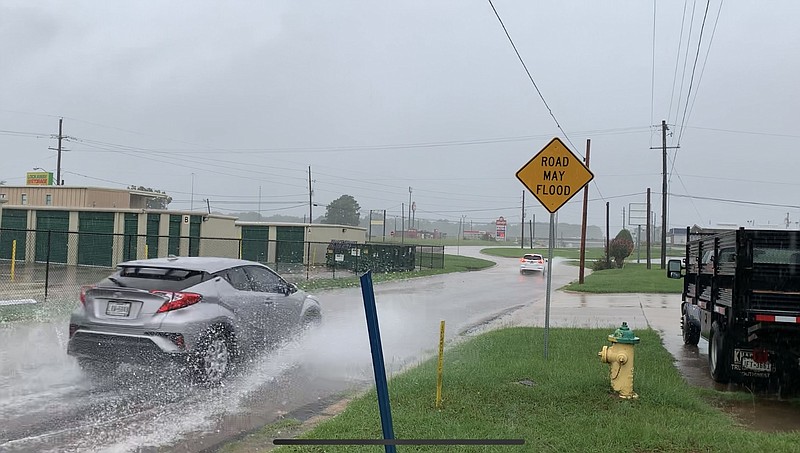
(199, 311)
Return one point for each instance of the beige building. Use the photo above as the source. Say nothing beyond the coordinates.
(77, 197)
(102, 227)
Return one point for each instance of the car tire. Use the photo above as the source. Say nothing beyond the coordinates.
(719, 354)
(310, 320)
(691, 334)
(212, 359)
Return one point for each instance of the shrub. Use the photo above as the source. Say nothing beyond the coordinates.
(602, 264)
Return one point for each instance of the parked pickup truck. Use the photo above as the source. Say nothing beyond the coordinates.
(741, 292)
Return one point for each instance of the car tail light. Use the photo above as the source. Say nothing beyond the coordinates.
(541, 261)
(177, 300)
(72, 329)
(84, 289)
(522, 260)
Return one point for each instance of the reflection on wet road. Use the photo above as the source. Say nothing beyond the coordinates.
(47, 404)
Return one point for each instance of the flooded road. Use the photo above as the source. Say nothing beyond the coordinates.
(48, 405)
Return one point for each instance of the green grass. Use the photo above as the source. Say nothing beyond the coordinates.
(633, 278)
(448, 242)
(516, 252)
(569, 407)
(452, 263)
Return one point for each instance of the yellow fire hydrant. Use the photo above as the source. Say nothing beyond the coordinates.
(620, 357)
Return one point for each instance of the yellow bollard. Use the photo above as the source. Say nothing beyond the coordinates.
(439, 367)
(146, 255)
(13, 257)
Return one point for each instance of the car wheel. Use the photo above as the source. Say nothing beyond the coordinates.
(719, 354)
(310, 320)
(212, 359)
(691, 334)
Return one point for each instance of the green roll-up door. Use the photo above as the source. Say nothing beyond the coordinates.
(289, 246)
(194, 235)
(130, 241)
(96, 238)
(14, 219)
(153, 223)
(255, 243)
(57, 222)
(174, 245)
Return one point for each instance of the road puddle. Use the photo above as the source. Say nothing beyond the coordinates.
(763, 412)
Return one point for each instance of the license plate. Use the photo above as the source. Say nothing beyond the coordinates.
(743, 360)
(115, 308)
(750, 364)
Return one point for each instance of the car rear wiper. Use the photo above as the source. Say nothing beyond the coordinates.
(117, 282)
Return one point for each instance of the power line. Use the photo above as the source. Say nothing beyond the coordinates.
(653, 73)
(677, 62)
(705, 61)
(751, 203)
(685, 61)
(530, 77)
(694, 68)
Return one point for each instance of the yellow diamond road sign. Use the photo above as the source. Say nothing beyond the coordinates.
(554, 175)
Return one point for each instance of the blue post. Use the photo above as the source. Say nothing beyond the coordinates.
(377, 359)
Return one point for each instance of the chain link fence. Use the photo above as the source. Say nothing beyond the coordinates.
(38, 266)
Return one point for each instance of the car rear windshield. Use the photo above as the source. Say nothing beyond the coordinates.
(155, 278)
(533, 257)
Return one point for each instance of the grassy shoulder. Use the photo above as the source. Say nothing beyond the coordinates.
(516, 252)
(497, 386)
(633, 278)
(452, 263)
(593, 253)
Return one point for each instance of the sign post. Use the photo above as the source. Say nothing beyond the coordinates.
(553, 176)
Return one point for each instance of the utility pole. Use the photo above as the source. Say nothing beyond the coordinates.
(403, 221)
(664, 149)
(648, 228)
(582, 261)
(664, 197)
(310, 192)
(608, 233)
(59, 149)
(369, 235)
(60, 137)
(410, 222)
(522, 224)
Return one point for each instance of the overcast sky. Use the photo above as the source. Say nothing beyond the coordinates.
(221, 100)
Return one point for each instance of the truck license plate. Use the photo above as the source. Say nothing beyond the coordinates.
(744, 359)
(116, 308)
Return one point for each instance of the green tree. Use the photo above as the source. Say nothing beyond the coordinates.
(621, 247)
(343, 211)
(155, 202)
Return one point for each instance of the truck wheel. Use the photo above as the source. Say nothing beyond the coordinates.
(719, 354)
(691, 334)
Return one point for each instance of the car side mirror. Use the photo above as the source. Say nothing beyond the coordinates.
(674, 268)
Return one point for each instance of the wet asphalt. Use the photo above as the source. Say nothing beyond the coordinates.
(47, 404)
